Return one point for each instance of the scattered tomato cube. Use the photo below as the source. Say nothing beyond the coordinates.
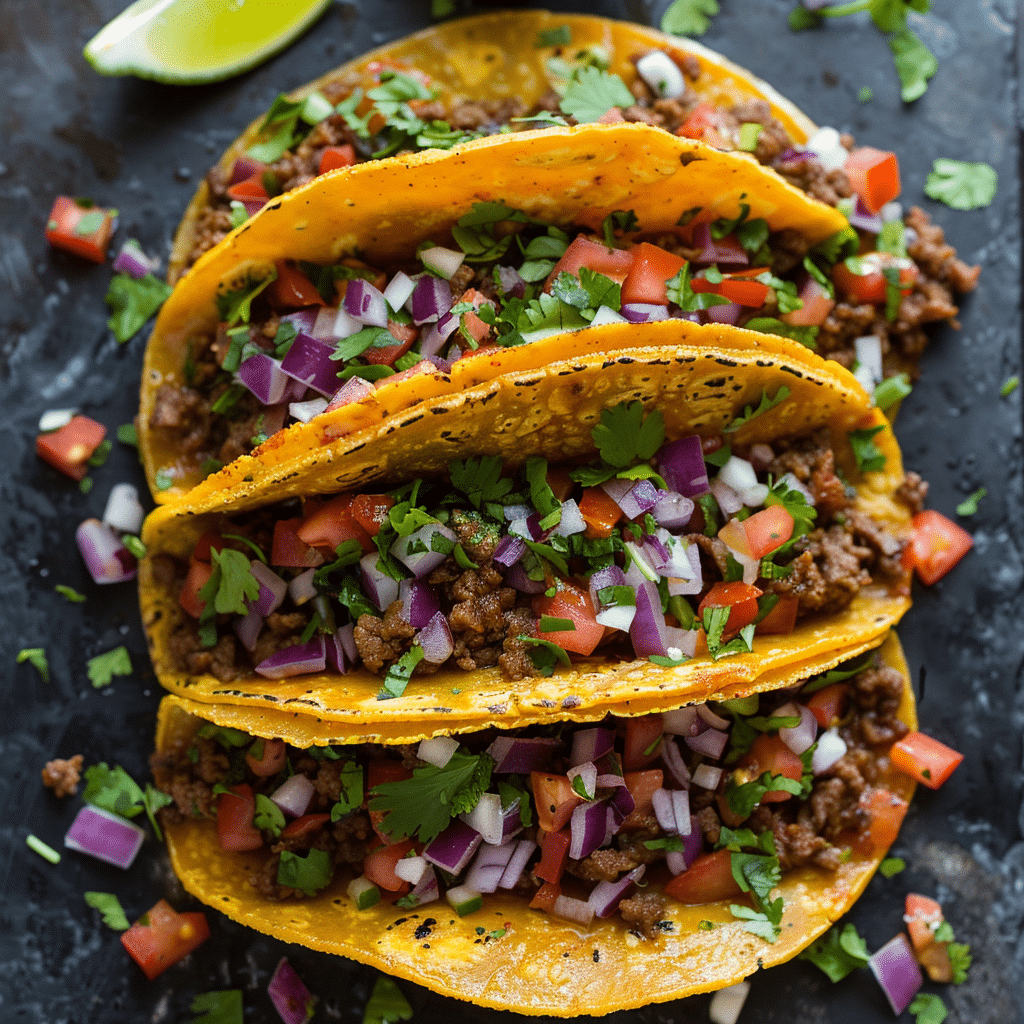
(924, 759)
(70, 448)
(162, 937)
(81, 227)
(936, 545)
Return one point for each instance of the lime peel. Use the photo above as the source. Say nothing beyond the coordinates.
(189, 42)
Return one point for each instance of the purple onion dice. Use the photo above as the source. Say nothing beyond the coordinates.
(309, 361)
(681, 464)
(292, 1000)
(296, 660)
(105, 836)
(365, 303)
(264, 377)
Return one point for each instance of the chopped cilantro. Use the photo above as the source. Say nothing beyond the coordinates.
(36, 657)
(386, 1004)
(36, 845)
(865, 94)
(235, 304)
(623, 220)
(163, 480)
(592, 93)
(837, 675)
(892, 390)
(625, 436)
(424, 805)
(545, 654)
(110, 907)
(114, 790)
(399, 674)
(224, 1007)
(278, 129)
(961, 185)
(553, 624)
(560, 36)
(69, 593)
(127, 434)
(230, 585)
(771, 325)
(763, 406)
(132, 302)
(891, 866)
(104, 667)
(102, 453)
(310, 873)
(350, 796)
(480, 479)
(839, 952)
(915, 64)
(1009, 386)
(969, 506)
(869, 456)
(928, 1008)
(688, 17)
(960, 959)
(671, 844)
(268, 817)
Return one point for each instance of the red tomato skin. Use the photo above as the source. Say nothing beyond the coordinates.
(235, 812)
(936, 545)
(62, 233)
(642, 734)
(370, 511)
(379, 866)
(554, 856)
(166, 938)
(768, 529)
(925, 759)
(703, 117)
(555, 800)
(740, 598)
(585, 252)
(199, 574)
(571, 602)
(288, 551)
(885, 811)
(305, 824)
(859, 288)
(386, 355)
(874, 175)
(735, 289)
(291, 289)
(251, 189)
(642, 786)
(781, 620)
(707, 880)
(599, 512)
(771, 755)
(544, 898)
(827, 704)
(70, 448)
(653, 267)
(273, 759)
(333, 523)
(817, 304)
(334, 157)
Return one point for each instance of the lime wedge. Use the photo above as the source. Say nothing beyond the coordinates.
(188, 42)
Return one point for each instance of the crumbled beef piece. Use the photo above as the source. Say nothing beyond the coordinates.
(515, 661)
(714, 555)
(877, 693)
(177, 408)
(266, 884)
(62, 776)
(280, 630)
(912, 492)
(187, 651)
(607, 865)
(812, 462)
(710, 824)
(641, 115)
(353, 837)
(212, 764)
(382, 641)
(643, 912)
(806, 172)
(827, 573)
(888, 551)
(461, 279)
(479, 537)
(844, 325)
(212, 225)
(789, 247)
(935, 256)
(177, 776)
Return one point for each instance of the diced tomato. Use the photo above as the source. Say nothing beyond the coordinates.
(250, 189)
(936, 545)
(612, 116)
(333, 523)
(235, 812)
(923, 917)
(386, 355)
(599, 512)
(266, 757)
(642, 745)
(781, 620)
(924, 759)
(642, 787)
(544, 898)
(585, 252)
(336, 156)
(198, 576)
(861, 280)
(554, 798)
(734, 535)
(423, 366)
(80, 228)
(207, 543)
(162, 937)
(653, 267)
(573, 603)
(291, 289)
(703, 116)
(828, 703)
(304, 825)
(885, 811)
(708, 879)
(473, 325)
(768, 529)
(560, 482)
(370, 511)
(554, 855)
(70, 448)
(739, 598)
(379, 866)
(735, 289)
(288, 551)
(874, 175)
(770, 754)
(817, 304)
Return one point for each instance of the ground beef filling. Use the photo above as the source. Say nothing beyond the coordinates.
(814, 831)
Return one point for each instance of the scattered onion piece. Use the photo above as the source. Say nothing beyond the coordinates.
(105, 836)
(292, 1000)
(897, 972)
(727, 1003)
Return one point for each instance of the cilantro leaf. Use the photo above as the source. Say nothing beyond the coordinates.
(915, 64)
(104, 667)
(153, 800)
(763, 406)
(279, 130)
(386, 1004)
(110, 907)
(969, 506)
(545, 654)
(351, 795)
(592, 93)
(424, 805)
(759, 922)
(961, 185)
(891, 866)
(795, 503)
(891, 390)
(625, 436)
(868, 455)
(928, 1008)
(480, 479)
(230, 585)
(268, 817)
(399, 674)
(235, 304)
(224, 1007)
(688, 17)
(541, 495)
(623, 220)
(114, 790)
(839, 952)
(960, 960)
(309, 874)
(36, 657)
(132, 302)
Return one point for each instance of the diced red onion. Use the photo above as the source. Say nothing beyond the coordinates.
(378, 586)
(571, 909)
(710, 742)
(437, 750)
(301, 588)
(517, 863)
(514, 512)
(715, 721)
(105, 556)
(420, 602)
(411, 869)
(681, 642)
(672, 758)
(591, 745)
(587, 774)
(431, 343)
(486, 818)
(616, 616)
(436, 639)
(727, 1003)
(605, 897)
(707, 776)
(727, 497)
(293, 796)
(587, 828)
(831, 747)
(621, 801)
(447, 325)
(486, 871)
(399, 290)
(510, 282)
(420, 562)
(337, 660)
(722, 250)
(248, 627)
(571, 522)
(522, 755)
(662, 75)
(897, 972)
(442, 261)
(440, 364)
(681, 464)
(309, 361)
(861, 217)
(105, 836)
(292, 1000)
(647, 631)
(264, 377)
(760, 456)
(672, 809)
(533, 527)
(724, 313)
(672, 510)
(272, 588)
(509, 550)
(303, 320)
(675, 861)
(296, 660)
(511, 821)
(644, 312)
(123, 510)
(355, 389)
(693, 842)
(365, 303)
(133, 261)
(244, 168)
(431, 299)
(798, 737)
(516, 577)
(305, 411)
(610, 576)
(323, 325)
(454, 847)
(427, 890)
(346, 636)
(681, 721)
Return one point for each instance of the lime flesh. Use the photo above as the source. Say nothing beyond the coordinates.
(193, 41)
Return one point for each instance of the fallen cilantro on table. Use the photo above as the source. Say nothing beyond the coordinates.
(961, 185)
(914, 62)
(969, 506)
(36, 657)
(110, 907)
(891, 866)
(839, 952)
(69, 593)
(104, 667)
(928, 1008)
(386, 1004)
(689, 17)
(132, 302)
(224, 1007)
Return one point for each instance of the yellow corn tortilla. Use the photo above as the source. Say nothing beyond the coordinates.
(539, 965)
(494, 56)
(382, 210)
(550, 413)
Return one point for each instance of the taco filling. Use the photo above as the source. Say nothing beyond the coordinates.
(308, 338)
(659, 550)
(710, 802)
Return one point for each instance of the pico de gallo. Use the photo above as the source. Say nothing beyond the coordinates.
(659, 550)
(705, 803)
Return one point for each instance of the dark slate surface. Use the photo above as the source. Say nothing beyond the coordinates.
(142, 147)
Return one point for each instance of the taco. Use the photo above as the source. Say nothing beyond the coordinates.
(583, 869)
(472, 501)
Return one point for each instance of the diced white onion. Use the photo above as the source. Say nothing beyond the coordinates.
(891, 211)
(437, 750)
(486, 818)
(831, 746)
(707, 776)
(345, 325)
(662, 74)
(825, 145)
(617, 616)
(54, 419)
(738, 474)
(727, 1003)
(571, 521)
(411, 869)
(124, 511)
(869, 355)
(399, 290)
(607, 315)
(301, 588)
(305, 411)
(441, 261)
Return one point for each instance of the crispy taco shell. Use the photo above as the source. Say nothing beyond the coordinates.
(538, 965)
(493, 57)
(551, 413)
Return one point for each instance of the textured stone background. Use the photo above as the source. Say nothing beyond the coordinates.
(143, 147)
